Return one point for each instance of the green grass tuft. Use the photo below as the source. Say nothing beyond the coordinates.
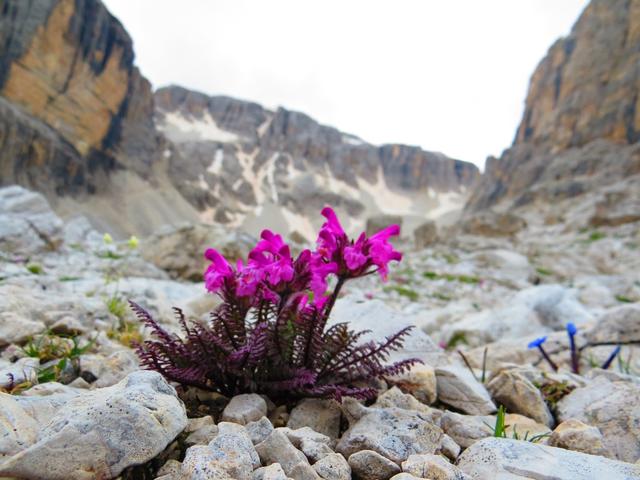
(35, 268)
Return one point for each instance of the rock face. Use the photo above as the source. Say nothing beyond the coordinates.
(233, 156)
(512, 459)
(607, 405)
(78, 62)
(103, 431)
(581, 124)
(86, 116)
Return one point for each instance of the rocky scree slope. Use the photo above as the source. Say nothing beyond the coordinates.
(236, 159)
(435, 422)
(577, 142)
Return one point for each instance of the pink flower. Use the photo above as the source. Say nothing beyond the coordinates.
(353, 259)
(218, 271)
(273, 258)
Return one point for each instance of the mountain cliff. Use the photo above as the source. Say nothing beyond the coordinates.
(234, 159)
(80, 123)
(76, 116)
(581, 125)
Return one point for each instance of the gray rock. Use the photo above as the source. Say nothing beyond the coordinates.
(202, 435)
(315, 451)
(27, 222)
(235, 452)
(395, 398)
(272, 472)
(370, 465)
(457, 387)
(200, 464)
(323, 416)
(425, 235)
(609, 407)
(245, 408)
(333, 467)
(392, 432)
(104, 431)
(579, 437)
(18, 430)
(259, 430)
(497, 458)
(513, 389)
(277, 448)
(16, 329)
(621, 324)
(420, 382)
(24, 370)
(450, 448)
(433, 467)
(465, 430)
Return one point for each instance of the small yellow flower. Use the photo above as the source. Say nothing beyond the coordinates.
(133, 242)
(107, 239)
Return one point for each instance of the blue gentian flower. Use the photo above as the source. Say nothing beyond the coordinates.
(571, 329)
(537, 342)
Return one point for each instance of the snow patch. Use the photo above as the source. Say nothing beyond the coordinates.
(179, 129)
(216, 163)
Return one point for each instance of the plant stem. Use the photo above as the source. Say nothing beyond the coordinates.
(484, 364)
(548, 358)
(466, 362)
(334, 296)
(575, 363)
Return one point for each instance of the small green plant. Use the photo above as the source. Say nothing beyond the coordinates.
(35, 268)
(623, 299)
(544, 271)
(117, 306)
(553, 391)
(126, 333)
(450, 277)
(500, 429)
(595, 236)
(404, 292)
(68, 278)
(456, 339)
(49, 347)
(441, 296)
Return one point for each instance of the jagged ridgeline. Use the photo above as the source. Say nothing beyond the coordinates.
(79, 123)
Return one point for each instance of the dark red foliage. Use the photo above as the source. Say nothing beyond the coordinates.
(289, 352)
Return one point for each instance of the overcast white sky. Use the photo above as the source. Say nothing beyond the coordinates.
(448, 75)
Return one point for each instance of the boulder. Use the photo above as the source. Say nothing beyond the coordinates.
(172, 248)
(425, 235)
(370, 465)
(245, 408)
(621, 324)
(394, 433)
(27, 223)
(579, 437)
(433, 467)
(322, 416)
(513, 389)
(498, 458)
(458, 388)
(104, 431)
(489, 223)
(608, 406)
(333, 467)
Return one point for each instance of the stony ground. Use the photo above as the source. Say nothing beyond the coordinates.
(76, 404)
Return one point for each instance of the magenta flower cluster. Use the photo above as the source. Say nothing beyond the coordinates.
(271, 334)
(271, 270)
